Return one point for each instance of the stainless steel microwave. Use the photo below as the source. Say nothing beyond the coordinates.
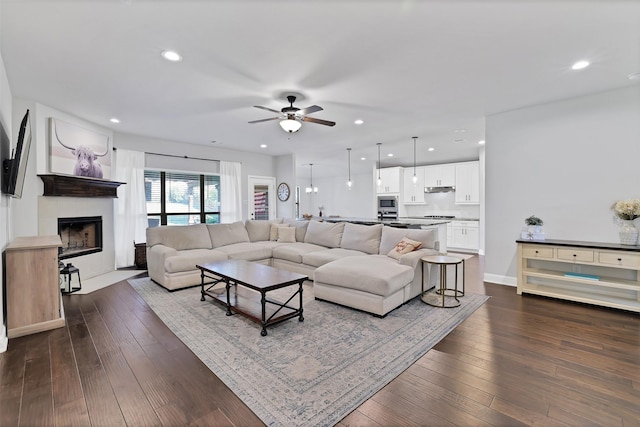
(387, 202)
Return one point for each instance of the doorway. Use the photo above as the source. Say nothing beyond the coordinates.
(262, 197)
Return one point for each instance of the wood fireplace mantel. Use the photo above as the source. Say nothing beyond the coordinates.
(73, 186)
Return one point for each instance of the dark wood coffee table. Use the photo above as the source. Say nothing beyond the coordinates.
(243, 279)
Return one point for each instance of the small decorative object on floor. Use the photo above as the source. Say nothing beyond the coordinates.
(625, 212)
(533, 231)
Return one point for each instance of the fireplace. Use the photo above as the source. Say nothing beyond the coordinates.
(80, 236)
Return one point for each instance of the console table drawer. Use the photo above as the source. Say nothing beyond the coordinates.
(537, 252)
(575, 255)
(623, 260)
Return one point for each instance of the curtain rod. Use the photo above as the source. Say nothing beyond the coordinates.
(179, 157)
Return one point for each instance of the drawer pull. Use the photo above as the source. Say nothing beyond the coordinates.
(619, 259)
(536, 251)
(574, 255)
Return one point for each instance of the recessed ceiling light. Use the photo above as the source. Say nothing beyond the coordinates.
(580, 65)
(172, 56)
(363, 158)
(633, 76)
(430, 149)
(114, 120)
(481, 142)
(359, 121)
(459, 130)
(263, 145)
(458, 141)
(390, 155)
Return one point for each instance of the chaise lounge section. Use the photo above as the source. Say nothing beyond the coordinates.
(351, 264)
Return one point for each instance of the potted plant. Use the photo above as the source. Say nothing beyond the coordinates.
(534, 223)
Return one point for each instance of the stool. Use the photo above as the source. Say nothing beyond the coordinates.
(66, 272)
(433, 298)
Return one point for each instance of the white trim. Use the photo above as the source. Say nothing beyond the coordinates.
(500, 280)
(4, 341)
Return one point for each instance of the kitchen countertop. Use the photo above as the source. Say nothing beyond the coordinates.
(399, 221)
(447, 219)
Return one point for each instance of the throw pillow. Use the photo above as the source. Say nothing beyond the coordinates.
(286, 235)
(273, 233)
(404, 246)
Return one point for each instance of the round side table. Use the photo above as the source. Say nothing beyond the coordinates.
(443, 297)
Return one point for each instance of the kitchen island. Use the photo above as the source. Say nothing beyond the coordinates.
(439, 225)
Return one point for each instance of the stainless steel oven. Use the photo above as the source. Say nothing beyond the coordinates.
(387, 207)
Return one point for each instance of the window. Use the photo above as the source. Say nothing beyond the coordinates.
(181, 198)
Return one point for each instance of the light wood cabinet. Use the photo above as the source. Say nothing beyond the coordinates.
(391, 178)
(594, 273)
(32, 284)
(440, 176)
(468, 183)
(413, 193)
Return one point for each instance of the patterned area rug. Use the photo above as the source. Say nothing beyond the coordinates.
(310, 373)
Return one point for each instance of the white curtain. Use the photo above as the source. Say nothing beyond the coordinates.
(230, 198)
(130, 208)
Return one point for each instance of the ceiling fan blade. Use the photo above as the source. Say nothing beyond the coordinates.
(309, 110)
(264, 120)
(268, 109)
(319, 121)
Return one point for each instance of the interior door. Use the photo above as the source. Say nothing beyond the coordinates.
(262, 197)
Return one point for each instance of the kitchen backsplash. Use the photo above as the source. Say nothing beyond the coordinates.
(441, 204)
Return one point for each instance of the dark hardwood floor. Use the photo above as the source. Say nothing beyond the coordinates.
(515, 361)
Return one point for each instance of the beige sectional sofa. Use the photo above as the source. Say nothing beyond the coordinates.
(347, 262)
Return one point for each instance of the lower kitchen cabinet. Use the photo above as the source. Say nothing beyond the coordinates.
(463, 235)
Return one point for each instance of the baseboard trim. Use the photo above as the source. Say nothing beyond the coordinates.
(500, 280)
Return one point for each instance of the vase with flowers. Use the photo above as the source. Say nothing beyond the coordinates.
(626, 212)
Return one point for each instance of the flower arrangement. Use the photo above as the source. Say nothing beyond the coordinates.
(626, 209)
(533, 220)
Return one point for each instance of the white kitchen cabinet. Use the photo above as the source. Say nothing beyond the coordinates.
(391, 179)
(463, 235)
(440, 176)
(467, 183)
(413, 193)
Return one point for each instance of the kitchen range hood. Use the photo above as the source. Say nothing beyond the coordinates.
(439, 189)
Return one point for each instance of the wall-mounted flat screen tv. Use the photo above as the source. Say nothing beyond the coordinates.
(14, 169)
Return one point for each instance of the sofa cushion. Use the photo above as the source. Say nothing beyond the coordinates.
(273, 232)
(180, 237)
(364, 238)
(186, 260)
(246, 251)
(258, 229)
(318, 258)
(376, 274)
(391, 236)
(324, 233)
(293, 251)
(227, 234)
(286, 235)
(404, 246)
(301, 228)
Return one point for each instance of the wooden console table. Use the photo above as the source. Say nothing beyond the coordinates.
(33, 286)
(605, 274)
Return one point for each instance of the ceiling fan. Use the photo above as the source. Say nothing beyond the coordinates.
(291, 117)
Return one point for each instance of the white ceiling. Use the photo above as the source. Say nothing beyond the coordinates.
(407, 68)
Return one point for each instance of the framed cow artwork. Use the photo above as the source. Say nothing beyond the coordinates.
(78, 151)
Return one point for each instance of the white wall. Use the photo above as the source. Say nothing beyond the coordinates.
(337, 199)
(5, 225)
(566, 162)
(286, 172)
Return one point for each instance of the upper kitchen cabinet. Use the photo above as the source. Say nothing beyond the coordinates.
(468, 183)
(413, 193)
(440, 176)
(391, 179)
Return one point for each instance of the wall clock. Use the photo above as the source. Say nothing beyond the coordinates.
(283, 192)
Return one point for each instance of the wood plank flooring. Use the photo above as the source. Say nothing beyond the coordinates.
(515, 361)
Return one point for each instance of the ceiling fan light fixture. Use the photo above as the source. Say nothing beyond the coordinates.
(290, 125)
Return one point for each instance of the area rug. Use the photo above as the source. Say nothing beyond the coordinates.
(310, 373)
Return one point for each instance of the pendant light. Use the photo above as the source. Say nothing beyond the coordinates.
(415, 177)
(349, 183)
(311, 188)
(379, 179)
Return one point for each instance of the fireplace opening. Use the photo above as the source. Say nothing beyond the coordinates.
(80, 236)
